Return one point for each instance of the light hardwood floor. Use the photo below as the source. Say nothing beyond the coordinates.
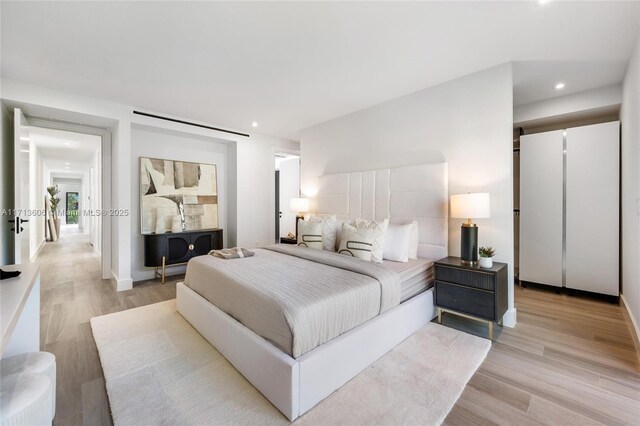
(71, 293)
(569, 360)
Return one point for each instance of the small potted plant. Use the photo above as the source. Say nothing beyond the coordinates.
(486, 256)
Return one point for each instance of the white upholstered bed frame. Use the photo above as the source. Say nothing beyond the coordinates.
(294, 386)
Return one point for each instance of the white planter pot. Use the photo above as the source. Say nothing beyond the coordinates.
(486, 262)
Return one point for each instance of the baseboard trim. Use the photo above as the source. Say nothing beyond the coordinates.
(122, 285)
(510, 318)
(38, 250)
(633, 325)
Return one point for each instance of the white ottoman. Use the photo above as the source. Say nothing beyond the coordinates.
(25, 399)
(32, 362)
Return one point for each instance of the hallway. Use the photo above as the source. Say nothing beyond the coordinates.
(72, 292)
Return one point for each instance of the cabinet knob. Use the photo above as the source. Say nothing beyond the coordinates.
(191, 247)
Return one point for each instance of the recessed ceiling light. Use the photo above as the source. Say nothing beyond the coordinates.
(24, 138)
(543, 1)
(254, 124)
(24, 150)
(66, 164)
(67, 143)
(559, 86)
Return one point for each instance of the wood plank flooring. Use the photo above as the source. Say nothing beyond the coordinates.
(71, 293)
(569, 360)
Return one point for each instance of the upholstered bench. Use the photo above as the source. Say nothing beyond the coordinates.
(28, 390)
(25, 399)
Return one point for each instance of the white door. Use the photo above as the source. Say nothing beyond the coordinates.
(593, 208)
(289, 188)
(21, 187)
(541, 166)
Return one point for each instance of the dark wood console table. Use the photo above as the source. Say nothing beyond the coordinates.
(176, 248)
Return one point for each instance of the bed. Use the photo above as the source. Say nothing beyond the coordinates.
(299, 323)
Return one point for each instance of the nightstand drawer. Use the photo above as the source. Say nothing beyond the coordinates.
(480, 303)
(469, 278)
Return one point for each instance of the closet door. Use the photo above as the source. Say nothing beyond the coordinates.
(541, 208)
(592, 225)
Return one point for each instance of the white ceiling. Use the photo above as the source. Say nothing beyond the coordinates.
(534, 81)
(289, 66)
(65, 153)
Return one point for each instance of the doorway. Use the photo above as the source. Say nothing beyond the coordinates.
(72, 208)
(287, 186)
(73, 161)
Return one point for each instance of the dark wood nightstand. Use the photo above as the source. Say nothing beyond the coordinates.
(285, 240)
(471, 291)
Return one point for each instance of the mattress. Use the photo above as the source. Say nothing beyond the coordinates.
(295, 297)
(416, 276)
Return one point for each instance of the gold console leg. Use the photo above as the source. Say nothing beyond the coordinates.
(163, 265)
(439, 312)
(491, 331)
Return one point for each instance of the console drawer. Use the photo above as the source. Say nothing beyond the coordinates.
(468, 300)
(469, 278)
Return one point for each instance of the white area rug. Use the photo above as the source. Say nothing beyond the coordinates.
(159, 370)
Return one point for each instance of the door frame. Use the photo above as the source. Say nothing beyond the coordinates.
(277, 150)
(66, 205)
(106, 183)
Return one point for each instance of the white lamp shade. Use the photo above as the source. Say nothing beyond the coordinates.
(471, 206)
(300, 205)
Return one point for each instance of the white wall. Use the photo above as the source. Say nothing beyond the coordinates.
(467, 122)
(256, 189)
(599, 98)
(630, 121)
(252, 171)
(154, 143)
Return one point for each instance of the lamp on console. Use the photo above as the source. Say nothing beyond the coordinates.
(300, 206)
(470, 206)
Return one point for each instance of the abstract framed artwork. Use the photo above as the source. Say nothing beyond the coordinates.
(177, 196)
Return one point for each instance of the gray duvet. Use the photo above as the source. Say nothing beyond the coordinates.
(295, 297)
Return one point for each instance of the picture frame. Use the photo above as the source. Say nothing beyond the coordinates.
(177, 196)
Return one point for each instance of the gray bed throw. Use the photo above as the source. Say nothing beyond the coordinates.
(232, 253)
(297, 298)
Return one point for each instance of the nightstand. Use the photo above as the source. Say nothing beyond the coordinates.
(285, 240)
(471, 291)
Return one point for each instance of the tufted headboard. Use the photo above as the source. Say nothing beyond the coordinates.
(402, 194)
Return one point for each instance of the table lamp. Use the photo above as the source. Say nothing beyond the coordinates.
(300, 206)
(470, 206)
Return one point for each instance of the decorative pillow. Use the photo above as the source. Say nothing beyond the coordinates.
(413, 240)
(379, 234)
(356, 242)
(310, 234)
(396, 245)
(329, 230)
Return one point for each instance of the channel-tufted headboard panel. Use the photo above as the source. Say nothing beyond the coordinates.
(402, 194)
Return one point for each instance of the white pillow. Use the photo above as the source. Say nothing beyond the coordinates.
(356, 242)
(310, 234)
(329, 230)
(380, 232)
(413, 240)
(396, 245)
